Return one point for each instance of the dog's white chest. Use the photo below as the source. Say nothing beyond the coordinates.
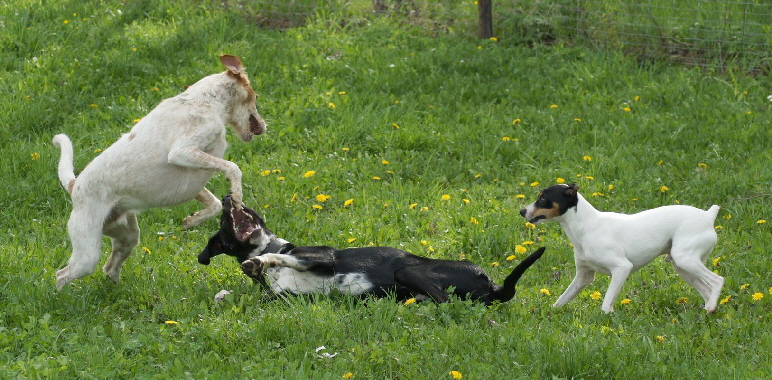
(284, 279)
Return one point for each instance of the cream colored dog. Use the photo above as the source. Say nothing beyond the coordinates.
(166, 159)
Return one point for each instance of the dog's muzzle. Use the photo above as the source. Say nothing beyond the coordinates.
(256, 126)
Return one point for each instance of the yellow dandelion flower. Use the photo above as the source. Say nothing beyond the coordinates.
(425, 208)
(553, 106)
(146, 249)
(716, 260)
(265, 173)
(726, 299)
(516, 121)
(527, 242)
(611, 187)
(770, 290)
(757, 296)
(172, 323)
(506, 138)
(309, 174)
(682, 300)
(661, 338)
(587, 158)
(627, 109)
(322, 198)
(637, 98)
(761, 221)
(410, 301)
(466, 201)
(625, 301)
(456, 375)
(494, 39)
(317, 207)
(663, 189)
(744, 286)
(511, 257)
(597, 194)
(520, 249)
(546, 292)
(345, 149)
(331, 105)
(728, 216)
(576, 119)
(348, 202)
(520, 196)
(495, 264)
(530, 225)
(376, 178)
(351, 240)
(66, 21)
(412, 205)
(395, 125)
(424, 242)
(477, 175)
(660, 162)
(445, 197)
(348, 375)
(534, 184)
(595, 295)
(342, 93)
(560, 180)
(702, 165)
(35, 156)
(136, 120)
(718, 227)
(473, 220)
(92, 105)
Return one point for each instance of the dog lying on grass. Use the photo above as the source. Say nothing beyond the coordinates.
(166, 159)
(367, 271)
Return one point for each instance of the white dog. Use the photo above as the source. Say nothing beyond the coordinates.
(619, 244)
(166, 159)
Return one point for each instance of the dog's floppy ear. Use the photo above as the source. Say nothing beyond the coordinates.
(571, 191)
(213, 248)
(232, 63)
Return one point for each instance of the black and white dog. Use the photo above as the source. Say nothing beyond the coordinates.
(366, 271)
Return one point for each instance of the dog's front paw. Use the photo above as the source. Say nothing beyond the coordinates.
(252, 267)
(237, 199)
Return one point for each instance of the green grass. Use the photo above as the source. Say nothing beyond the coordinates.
(442, 112)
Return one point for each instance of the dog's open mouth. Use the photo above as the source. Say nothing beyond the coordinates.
(537, 219)
(243, 224)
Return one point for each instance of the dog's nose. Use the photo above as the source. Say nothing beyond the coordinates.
(523, 212)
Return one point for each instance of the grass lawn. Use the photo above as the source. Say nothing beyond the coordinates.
(439, 141)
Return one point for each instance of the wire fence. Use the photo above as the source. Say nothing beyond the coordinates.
(719, 34)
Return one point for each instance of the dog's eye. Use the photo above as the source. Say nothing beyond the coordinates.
(543, 203)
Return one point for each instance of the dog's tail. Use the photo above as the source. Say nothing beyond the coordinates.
(65, 170)
(713, 211)
(507, 291)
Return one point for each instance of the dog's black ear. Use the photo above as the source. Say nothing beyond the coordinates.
(571, 191)
(213, 248)
(232, 63)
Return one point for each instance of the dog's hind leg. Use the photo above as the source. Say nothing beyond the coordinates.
(690, 262)
(702, 287)
(123, 231)
(85, 230)
(212, 207)
(417, 282)
(584, 276)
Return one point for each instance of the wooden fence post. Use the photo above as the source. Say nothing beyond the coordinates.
(486, 18)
